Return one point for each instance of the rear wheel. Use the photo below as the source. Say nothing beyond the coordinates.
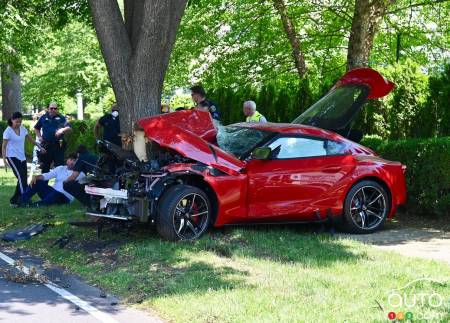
(184, 213)
(366, 207)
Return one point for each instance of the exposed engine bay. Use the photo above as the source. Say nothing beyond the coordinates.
(122, 187)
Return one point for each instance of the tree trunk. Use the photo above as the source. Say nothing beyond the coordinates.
(366, 19)
(11, 92)
(137, 51)
(289, 29)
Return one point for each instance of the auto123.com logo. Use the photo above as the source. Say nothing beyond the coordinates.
(407, 303)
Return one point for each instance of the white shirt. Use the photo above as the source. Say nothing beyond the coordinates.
(16, 143)
(60, 174)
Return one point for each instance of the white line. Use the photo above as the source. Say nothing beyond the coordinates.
(101, 316)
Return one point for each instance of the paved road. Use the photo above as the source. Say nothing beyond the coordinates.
(34, 302)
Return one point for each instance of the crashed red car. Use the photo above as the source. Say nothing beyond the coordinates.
(194, 174)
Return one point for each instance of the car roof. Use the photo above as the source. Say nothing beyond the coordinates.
(290, 128)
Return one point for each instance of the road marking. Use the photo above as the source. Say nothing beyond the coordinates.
(99, 315)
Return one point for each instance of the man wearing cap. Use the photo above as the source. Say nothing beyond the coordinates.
(250, 112)
(198, 95)
(111, 126)
(53, 127)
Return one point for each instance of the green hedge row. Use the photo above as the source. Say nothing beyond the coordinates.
(427, 173)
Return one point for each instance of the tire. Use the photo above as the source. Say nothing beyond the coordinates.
(184, 213)
(366, 207)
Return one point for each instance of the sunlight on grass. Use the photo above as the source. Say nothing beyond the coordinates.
(252, 274)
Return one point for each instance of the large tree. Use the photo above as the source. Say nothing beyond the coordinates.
(136, 49)
(366, 20)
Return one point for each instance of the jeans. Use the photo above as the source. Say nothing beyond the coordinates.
(47, 194)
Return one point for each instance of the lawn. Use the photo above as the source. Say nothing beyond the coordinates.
(249, 274)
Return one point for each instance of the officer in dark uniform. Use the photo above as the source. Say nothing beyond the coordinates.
(111, 126)
(53, 126)
(198, 95)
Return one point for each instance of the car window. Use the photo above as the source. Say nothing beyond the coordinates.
(240, 141)
(298, 147)
(336, 109)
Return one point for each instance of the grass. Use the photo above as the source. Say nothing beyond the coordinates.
(251, 274)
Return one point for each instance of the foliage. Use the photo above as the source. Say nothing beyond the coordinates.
(276, 103)
(73, 62)
(224, 43)
(435, 114)
(24, 25)
(82, 134)
(427, 174)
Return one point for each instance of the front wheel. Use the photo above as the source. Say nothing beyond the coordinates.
(366, 207)
(184, 213)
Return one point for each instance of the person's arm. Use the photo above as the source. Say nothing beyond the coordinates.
(36, 178)
(73, 176)
(62, 131)
(37, 129)
(262, 119)
(65, 129)
(34, 142)
(4, 144)
(51, 174)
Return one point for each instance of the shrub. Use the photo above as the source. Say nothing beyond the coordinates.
(427, 174)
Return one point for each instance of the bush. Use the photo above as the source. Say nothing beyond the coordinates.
(427, 174)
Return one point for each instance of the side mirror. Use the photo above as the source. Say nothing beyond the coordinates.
(261, 153)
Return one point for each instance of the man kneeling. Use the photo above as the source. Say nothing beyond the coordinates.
(51, 194)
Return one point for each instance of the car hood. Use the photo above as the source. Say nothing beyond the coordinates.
(192, 134)
(339, 107)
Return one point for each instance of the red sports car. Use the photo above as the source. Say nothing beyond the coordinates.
(201, 174)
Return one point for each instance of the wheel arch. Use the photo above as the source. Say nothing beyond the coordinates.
(377, 180)
(198, 181)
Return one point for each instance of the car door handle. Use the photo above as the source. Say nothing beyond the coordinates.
(332, 169)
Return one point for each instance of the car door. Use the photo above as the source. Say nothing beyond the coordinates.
(301, 171)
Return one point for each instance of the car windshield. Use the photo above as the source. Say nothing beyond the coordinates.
(336, 109)
(240, 141)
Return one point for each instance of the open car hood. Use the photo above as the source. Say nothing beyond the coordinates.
(191, 133)
(340, 106)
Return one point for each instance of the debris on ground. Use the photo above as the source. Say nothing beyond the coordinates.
(25, 233)
(18, 275)
(62, 241)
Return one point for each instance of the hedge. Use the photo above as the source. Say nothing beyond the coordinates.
(427, 173)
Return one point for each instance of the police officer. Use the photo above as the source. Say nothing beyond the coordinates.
(198, 95)
(111, 126)
(252, 115)
(53, 126)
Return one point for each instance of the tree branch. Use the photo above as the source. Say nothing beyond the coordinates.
(299, 58)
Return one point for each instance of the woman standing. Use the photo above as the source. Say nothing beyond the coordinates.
(13, 152)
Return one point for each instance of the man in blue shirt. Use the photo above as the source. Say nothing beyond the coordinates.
(53, 126)
(111, 126)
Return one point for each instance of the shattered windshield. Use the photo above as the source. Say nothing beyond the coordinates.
(336, 109)
(240, 141)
